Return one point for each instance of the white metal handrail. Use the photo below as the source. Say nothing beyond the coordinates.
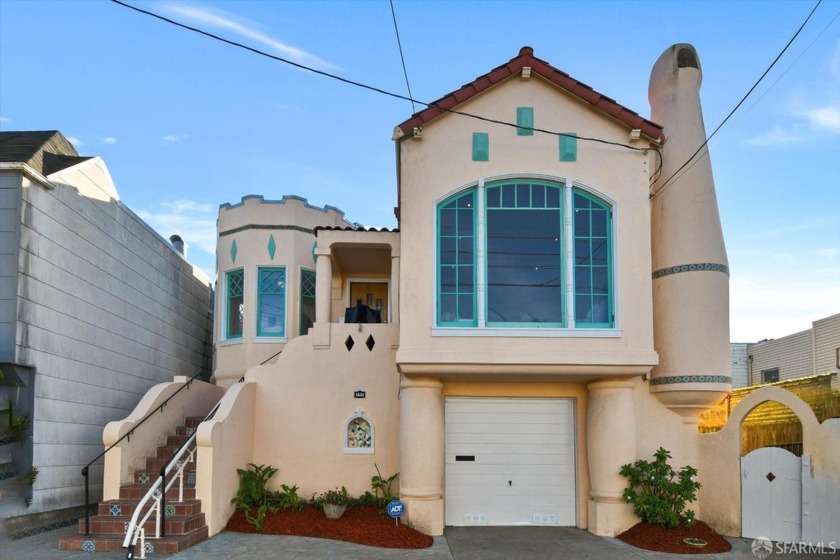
(136, 529)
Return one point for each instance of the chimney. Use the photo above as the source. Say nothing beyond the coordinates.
(179, 244)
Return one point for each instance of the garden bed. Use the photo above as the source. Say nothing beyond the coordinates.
(359, 524)
(663, 539)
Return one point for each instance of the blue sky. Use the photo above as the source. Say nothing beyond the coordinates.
(186, 123)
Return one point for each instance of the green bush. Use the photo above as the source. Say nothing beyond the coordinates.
(335, 497)
(253, 493)
(659, 493)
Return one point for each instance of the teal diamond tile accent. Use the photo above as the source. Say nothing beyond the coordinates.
(143, 478)
(116, 509)
(170, 510)
(233, 251)
(89, 546)
(149, 548)
(272, 246)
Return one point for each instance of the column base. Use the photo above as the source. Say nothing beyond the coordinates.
(425, 516)
(610, 519)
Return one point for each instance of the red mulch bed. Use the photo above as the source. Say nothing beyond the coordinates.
(662, 539)
(360, 525)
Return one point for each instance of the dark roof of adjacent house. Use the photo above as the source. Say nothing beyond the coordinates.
(539, 67)
(45, 151)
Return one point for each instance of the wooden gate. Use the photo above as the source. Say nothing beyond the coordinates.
(771, 495)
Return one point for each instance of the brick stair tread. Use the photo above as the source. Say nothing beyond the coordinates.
(140, 490)
(113, 543)
(115, 524)
(127, 506)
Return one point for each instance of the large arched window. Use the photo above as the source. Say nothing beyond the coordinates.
(524, 254)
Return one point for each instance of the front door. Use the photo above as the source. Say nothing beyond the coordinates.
(372, 294)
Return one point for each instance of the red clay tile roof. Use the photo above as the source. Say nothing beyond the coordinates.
(542, 68)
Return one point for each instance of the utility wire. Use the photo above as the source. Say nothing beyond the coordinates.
(668, 182)
(369, 87)
(402, 58)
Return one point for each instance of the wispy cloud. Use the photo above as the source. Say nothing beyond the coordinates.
(778, 136)
(5, 120)
(230, 22)
(110, 140)
(825, 118)
(75, 141)
(194, 221)
(172, 138)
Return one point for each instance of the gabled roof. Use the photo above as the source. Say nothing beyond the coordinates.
(45, 151)
(539, 67)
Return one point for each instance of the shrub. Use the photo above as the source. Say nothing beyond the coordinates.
(253, 493)
(659, 493)
(335, 497)
(383, 485)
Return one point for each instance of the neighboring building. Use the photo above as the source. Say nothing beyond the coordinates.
(738, 360)
(544, 318)
(95, 309)
(812, 352)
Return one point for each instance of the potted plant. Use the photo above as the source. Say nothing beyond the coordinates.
(334, 502)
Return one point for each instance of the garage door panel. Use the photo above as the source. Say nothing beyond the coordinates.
(523, 461)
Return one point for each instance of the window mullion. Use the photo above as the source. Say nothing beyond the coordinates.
(568, 254)
(480, 257)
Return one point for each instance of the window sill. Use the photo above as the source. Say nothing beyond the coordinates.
(230, 341)
(270, 339)
(526, 333)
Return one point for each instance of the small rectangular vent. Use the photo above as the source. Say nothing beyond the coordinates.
(475, 519)
(545, 519)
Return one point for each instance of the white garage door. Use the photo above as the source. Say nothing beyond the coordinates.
(510, 461)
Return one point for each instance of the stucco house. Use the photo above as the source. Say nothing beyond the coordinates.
(551, 306)
(95, 309)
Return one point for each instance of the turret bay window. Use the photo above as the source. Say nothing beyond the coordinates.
(524, 254)
(235, 307)
(271, 302)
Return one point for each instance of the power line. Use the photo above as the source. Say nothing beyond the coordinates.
(402, 58)
(366, 86)
(668, 182)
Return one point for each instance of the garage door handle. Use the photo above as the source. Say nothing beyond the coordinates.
(465, 457)
(510, 483)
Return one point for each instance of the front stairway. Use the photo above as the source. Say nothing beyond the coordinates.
(185, 525)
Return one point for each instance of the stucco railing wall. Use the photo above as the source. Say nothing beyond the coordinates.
(130, 453)
(225, 443)
(720, 469)
(307, 397)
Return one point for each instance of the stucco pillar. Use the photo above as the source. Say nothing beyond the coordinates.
(611, 443)
(394, 306)
(323, 296)
(421, 453)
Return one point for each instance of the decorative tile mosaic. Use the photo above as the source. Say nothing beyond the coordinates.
(143, 478)
(191, 477)
(691, 379)
(116, 509)
(89, 546)
(170, 510)
(190, 432)
(691, 268)
(149, 548)
(233, 251)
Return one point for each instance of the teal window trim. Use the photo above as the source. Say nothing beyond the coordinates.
(525, 121)
(452, 304)
(271, 313)
(480, 146)
(589, 231)
(307, 294)
(234, 303)
(568, 146)
(590, 268)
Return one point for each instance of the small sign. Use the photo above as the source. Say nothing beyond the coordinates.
(359, 394)
(396, 509)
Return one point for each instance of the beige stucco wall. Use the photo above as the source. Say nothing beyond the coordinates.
(440, 165)
(251, 223)
(305, 399)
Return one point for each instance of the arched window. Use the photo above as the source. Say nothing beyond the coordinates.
(358, 434)
(512, 267)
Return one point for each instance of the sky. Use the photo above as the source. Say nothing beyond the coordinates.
(186, 123)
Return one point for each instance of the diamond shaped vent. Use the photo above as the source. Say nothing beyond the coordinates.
(770, 476)
(349, 343)
(370, 343)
